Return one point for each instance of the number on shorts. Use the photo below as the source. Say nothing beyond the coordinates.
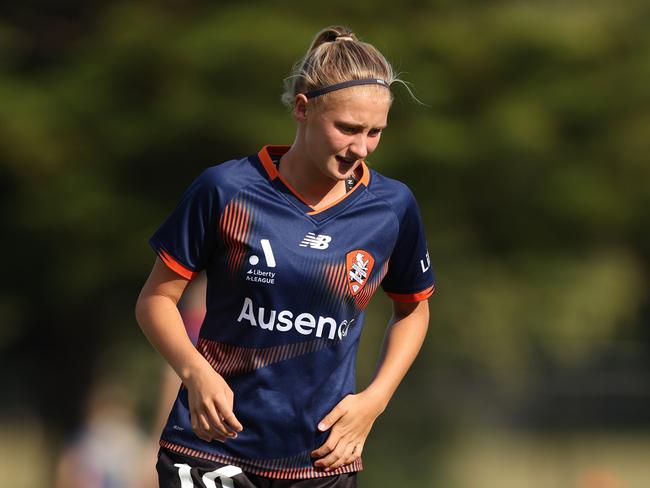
(224, 474)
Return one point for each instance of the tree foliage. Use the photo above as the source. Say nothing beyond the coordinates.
(529, 160)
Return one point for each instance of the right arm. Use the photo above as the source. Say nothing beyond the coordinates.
(210, 398)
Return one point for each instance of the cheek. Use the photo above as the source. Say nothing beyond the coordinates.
(373, 143)
(335, 140)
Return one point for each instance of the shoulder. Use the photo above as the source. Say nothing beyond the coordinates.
(229, 177)
(234, 172)
(396, 194)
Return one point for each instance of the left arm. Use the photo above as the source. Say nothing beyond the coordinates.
(352, 418)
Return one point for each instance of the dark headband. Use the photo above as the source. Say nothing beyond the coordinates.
(338, 86)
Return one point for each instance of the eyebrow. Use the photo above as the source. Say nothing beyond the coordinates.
(360, 126)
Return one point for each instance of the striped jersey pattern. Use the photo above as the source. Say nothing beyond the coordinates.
(288, 287)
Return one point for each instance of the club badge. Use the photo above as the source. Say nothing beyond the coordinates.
(359, 265)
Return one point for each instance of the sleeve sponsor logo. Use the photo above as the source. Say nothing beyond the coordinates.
(425, 267)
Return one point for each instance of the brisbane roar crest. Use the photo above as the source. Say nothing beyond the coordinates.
(359, 265)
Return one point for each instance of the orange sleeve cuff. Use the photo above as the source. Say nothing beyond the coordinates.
(413, 297)
(175, 266)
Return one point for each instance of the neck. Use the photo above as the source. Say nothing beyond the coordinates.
(316, 189)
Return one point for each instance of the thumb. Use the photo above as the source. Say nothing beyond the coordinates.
(331, 418)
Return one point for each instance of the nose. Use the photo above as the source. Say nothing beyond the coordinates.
(359, 146)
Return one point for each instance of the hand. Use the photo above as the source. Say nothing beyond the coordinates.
(211, 405)
(350, 421)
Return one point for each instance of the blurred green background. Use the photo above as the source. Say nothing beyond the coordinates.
(530, 161)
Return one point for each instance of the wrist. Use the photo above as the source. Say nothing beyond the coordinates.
(192, 368)
(376, 398)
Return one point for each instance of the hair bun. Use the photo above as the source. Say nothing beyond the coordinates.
(336, 56)
(332, 34)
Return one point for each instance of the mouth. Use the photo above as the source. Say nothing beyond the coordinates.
(346, 161)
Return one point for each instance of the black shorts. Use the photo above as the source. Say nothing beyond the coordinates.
(179, 471)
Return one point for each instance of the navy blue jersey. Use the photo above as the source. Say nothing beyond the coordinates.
(287, 290)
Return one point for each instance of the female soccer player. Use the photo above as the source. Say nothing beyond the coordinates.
(294, 240)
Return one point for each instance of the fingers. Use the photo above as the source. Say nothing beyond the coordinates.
(216, 423)
(202, 429)
(231, 422)
(349, 423)
(331, 418)
(213, 418)
(342, 454)
(326, 449)
(227, 417)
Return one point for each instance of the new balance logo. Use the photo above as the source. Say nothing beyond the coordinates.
(314, 241)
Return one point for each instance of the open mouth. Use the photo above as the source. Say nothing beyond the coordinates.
(343, 160)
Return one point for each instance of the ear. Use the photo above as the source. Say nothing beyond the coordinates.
(300, 107)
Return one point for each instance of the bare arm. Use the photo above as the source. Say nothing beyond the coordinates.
(402, 342)
(157, 314)
(210, 398)
(353, 417)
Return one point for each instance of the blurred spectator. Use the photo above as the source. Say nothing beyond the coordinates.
(107, 451)
(601, 478)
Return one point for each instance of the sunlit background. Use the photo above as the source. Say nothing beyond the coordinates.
(530, 160)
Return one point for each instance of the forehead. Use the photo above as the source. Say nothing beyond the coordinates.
(367, 105)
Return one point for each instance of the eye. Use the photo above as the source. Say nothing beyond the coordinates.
(375, 132)
(347, 129)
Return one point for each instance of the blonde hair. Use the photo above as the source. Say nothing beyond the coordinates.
(335, 56)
